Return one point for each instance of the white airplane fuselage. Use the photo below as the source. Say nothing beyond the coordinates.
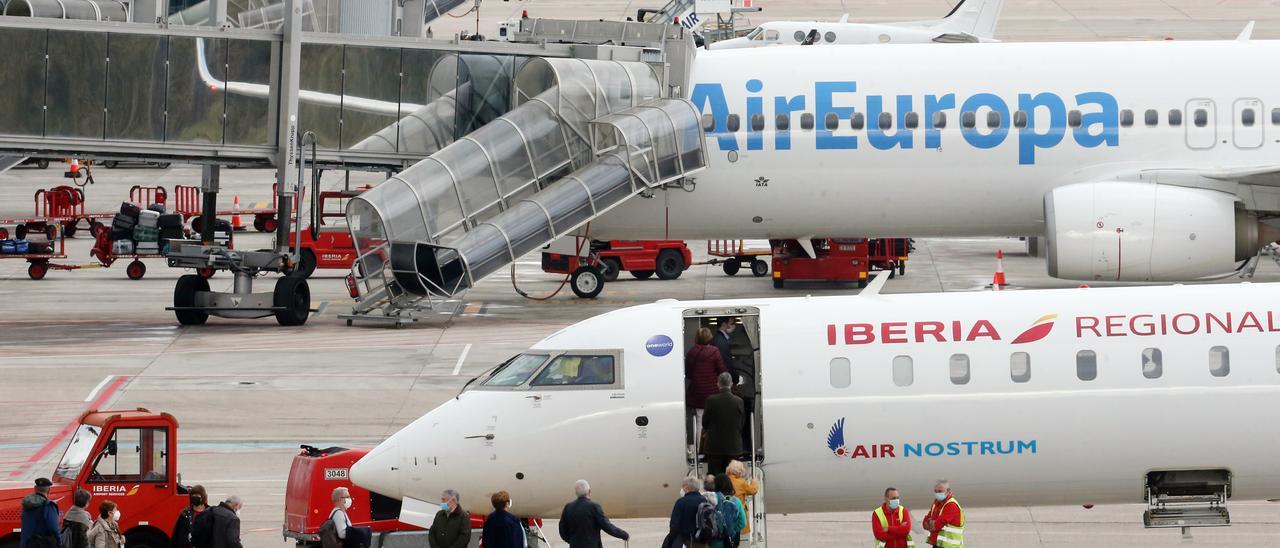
(1048, 434)
(953, 181)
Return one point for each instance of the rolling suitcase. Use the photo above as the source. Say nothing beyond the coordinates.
(130, 209)
(122, 247)
(148, 218)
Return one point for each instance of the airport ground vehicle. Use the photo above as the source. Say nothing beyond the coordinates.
(833, 260)
(130, 457)
(609, 258)
(326, 247)
(889, 254)
(112, 164)
(732, 255)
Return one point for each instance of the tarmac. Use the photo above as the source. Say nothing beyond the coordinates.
(247, 393)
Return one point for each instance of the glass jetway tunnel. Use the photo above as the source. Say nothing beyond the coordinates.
(586, 135)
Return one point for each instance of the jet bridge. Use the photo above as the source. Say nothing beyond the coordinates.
(585, 136)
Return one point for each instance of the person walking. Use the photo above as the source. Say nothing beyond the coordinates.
(731, 511)
(891, 522)
(77, 522)
(684, 515)
(452, 526)
(501, 528)
(945, 521)
(742, 487)
(722, 422)
(224, 524)
(39, 519)
(197, 503)
(702, 365)
(582, 520)
(105, 532)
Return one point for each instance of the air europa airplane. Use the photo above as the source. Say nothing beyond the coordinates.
(1076, 396)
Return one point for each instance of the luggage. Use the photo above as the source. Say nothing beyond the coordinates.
(148, 218)
(122, 247)
(123, 222)
(121, 234)
(146, 234)
(148, 248)
(21, 246)
(39, 248)
(158, 208)
(172, 233)
(8, 246)
(172, 220)
(129, 209)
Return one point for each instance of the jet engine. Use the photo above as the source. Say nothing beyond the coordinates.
(1120, 231)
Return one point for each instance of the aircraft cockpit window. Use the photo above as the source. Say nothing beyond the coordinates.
(939, 120)
(1074, 119)
(912, 120)
(733, 123)
(1247, 117)
(993, 119)
(757, 122)
(577, 370)
(1152, 117)
(799, 36)
(885, 121)
(806, 121)
(1019, 119)
(1126, 118)
(1152, 363)
(829, 37)
(832, 121)
(1201, 117)
(516, 370)
(757, 34)
(857, 121)
(708, 123)
(1219, 361)
(968, 120)
(959, 369)
(1086, 365)
(1175, 117)
(771, 35)
(782, 122)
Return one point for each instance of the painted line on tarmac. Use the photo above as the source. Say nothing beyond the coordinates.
(49, 446)
(457, 367)
(94, 393)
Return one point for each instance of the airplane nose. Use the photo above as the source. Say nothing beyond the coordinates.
(378, 471)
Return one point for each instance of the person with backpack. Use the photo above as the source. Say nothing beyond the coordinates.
(197, 503)
(732, 516)
(77, 522)
(685, 514)
(40, 518)
(105, 532)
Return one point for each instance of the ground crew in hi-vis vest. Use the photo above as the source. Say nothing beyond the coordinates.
(945, 521)
(891, 522)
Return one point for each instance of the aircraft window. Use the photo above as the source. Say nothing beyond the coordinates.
(959, 369)
(1175, 117)
(1152, 363)
(885, 121)
(757, 122)
(903, 373)
(799, 36)
(829, 37)
(1086, 365)
(806, 121)
(577, 370)
(968, 120)
(708, 122)
(1278, 359)
(1219, 361)
(1152, 117)
(771, 35)
(1275, 116)
(993, 119)
(1020, 366)
(1126, 118)
(1019, 119)
(733, 123)
(782, 122)
(516, 370)
(857, 121)
(939, 120)
(913, 120)
(1201, 117)
(832, 121)
(1074, 118)
(1247, 117)
(841, 373)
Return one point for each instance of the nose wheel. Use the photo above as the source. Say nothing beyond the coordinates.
(587, 282)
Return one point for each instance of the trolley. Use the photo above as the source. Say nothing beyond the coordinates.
(188, 202)
(732, 255)
(889, 254)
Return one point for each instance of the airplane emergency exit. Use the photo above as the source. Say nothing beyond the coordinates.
(1053, 397)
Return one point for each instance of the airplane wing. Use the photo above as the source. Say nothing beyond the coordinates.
(956, 38)
(1259, 175)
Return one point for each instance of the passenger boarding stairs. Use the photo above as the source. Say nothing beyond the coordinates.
(585, 136)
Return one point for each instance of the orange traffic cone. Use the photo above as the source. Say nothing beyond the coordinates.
(997, 281)
(235, 214)
(73, 170)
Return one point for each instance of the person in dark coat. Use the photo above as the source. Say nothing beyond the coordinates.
(76, 524)
(739, 355)
(702, 364)
(452, 526)
(722, 422)
(501, 528)
(684, 514)
(226, 524)
(40, 519)
(197, 503)
(583, 519)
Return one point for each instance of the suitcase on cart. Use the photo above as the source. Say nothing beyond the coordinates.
(123, 222)
(148, 248)
(172, 220)
(122, 247)
(148, 218)
(21, 246)
(130, 209)
(145, 234)
(158, 208)
(8, 246)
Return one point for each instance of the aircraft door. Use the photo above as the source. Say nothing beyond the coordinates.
(1201, 124)
(1246, 123)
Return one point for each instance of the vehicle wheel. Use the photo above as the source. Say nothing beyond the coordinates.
(759, 268)
(731, 267)
(205, 273)
(306, 264)
(902, 268)
(37, 270)
(294, 295)
(96, 228)
(268, 224)
(587, 282)
(136, 270)
(184, 295)
(163, 165)
(777, 284)
(51, 231)
(69, 229)
(20, 232)
(42, 164)
(641, 274)
(892, 271)
(145, 539)
(111, 164)
(670, 264)
(610, 268)
(257, 224)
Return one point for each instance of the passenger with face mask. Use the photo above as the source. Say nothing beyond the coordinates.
(105, 532)
(891, 522)
(452, 526)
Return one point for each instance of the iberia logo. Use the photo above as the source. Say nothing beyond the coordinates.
(1038, 330)
(116, 490)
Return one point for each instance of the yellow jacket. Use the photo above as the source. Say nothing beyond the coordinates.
(743, 489)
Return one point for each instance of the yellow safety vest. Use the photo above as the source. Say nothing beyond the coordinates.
(952, 536)
(884, 522)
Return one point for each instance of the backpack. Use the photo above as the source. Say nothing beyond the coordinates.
(202, 529)
(708, 524)
(328, 533)
(729, 519)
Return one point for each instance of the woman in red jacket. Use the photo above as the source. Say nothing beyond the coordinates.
(702, 366)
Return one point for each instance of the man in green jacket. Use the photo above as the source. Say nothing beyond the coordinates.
(452, 526)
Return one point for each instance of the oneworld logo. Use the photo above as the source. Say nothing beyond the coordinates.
(659, 345)
(921, 449)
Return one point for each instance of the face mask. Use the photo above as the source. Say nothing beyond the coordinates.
(237, 513)
(444, 506)
(115, 515)
(940, 496)
(346, 504)
(510, 504)
(894, 503)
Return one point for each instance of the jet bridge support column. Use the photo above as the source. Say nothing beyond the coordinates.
(287, 116)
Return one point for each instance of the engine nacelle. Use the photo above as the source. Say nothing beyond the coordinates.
(1119, 231)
